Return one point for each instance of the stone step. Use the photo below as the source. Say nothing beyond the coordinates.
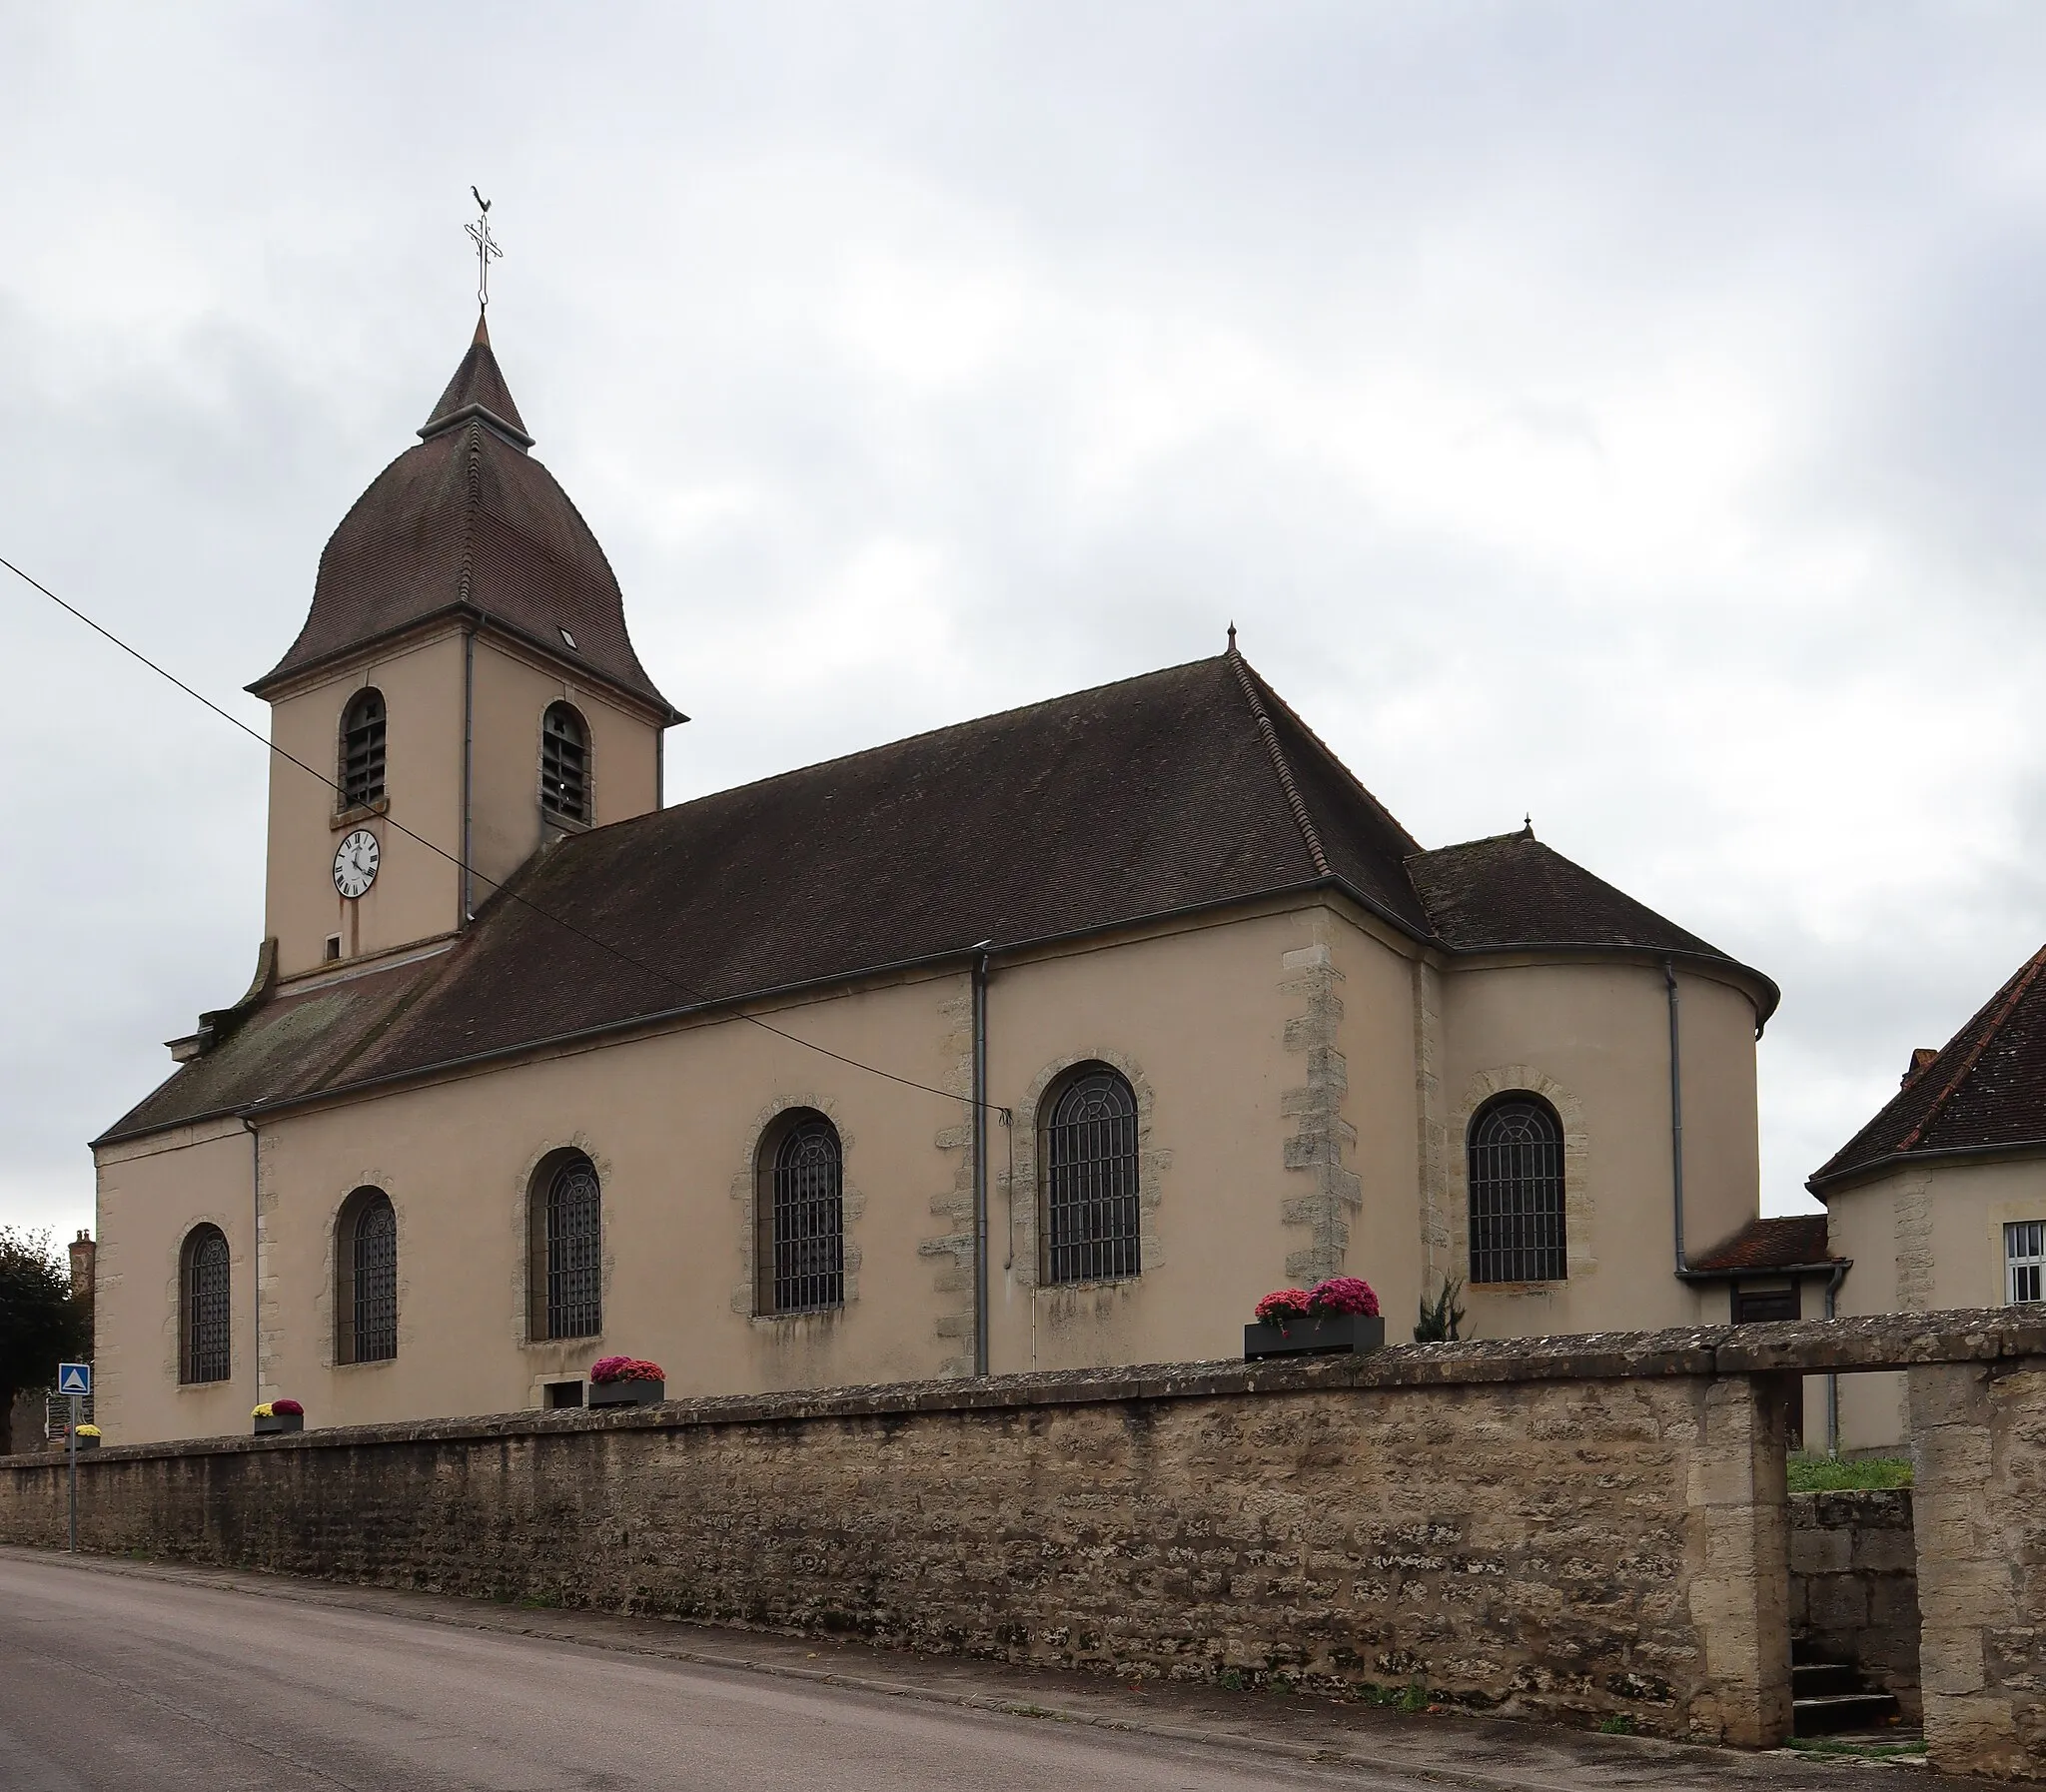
(1825, 1714)
(1816, 1679)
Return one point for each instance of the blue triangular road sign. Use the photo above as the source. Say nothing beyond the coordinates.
(74, 1378)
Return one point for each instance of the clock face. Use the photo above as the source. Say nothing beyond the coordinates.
(355, 863)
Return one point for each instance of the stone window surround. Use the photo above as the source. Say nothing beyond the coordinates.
(174, 1362)
(527, 1184)
(1026, 1134)
(1577, 1208)
(745, 1190)
(325, 1311)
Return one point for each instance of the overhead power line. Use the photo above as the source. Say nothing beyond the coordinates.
(509, 894)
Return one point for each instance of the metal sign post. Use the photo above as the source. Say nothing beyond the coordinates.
(74, 1382)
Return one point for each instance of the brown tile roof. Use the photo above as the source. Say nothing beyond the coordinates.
(1190, 787)
(1986, 1087)
(467, 522)
(293, 1044)
(1512, 890)
(1793, 1241)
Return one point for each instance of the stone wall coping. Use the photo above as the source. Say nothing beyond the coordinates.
(1873, 1342)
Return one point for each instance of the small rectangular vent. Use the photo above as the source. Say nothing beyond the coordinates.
(333, 947)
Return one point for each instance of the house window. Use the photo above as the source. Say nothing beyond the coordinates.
(1517, 1214)
(362, 749)
(566, 1266)
(2024, 1260)
(565, 764)
(202, 1293)
(1089, 1197)
(366, 1265)
(801, 1247)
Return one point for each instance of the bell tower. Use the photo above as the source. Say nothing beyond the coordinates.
(464, 679)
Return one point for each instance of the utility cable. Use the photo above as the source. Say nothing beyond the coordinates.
(504, 890)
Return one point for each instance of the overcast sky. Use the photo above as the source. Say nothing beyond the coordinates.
(1629, 415)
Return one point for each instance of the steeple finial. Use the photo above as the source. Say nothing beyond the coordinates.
(1232, 638)
(486, 252)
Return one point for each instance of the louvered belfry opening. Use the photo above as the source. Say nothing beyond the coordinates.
(206, 1352)
(362, 749)
(369, 1258)
(1091, 1208)
(571, 1250)
(802, 1253)
(1517, 1192)
(565, 764)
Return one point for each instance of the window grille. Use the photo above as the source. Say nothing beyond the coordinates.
(361, 750)
(575, 1229)
(1091, 1222)
(2024, 1258)
(205, 1306)
(565, 764)
(1517, 1214)
(373, 1288)
(807, 1218)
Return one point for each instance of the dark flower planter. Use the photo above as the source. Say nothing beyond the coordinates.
(86, 1443)
(280, 1421)
(628, 1394)
(1339, 1335)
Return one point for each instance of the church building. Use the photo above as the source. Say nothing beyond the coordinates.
(1046, 1040)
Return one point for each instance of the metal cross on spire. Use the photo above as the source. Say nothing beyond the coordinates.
(486, 250)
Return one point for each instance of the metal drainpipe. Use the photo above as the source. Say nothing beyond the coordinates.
(255, 1252)
(1676, 1118)
(1834, 1282)
(980, 1328)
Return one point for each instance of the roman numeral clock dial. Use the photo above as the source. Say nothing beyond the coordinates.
(355, 863)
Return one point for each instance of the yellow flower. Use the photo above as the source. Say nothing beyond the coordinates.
(263, 1412)
(88, 1430)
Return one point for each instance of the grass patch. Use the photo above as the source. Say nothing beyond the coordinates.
(1835, 1474)
(1867, 1751)
(1619, 1725)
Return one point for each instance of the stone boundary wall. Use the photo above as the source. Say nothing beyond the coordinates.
(1569, 1528)
(1470, 1518)
(1855, 1587)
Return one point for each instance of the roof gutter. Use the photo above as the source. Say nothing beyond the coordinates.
(1820, 1183)
(1841, 1265)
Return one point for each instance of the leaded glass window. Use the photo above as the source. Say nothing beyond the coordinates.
(573, 1259)
(1517, 1211)
(367, 1256)
(1091, 1231)
(565, 764)
(802, 1257)
(204, 1292)
(362, 749)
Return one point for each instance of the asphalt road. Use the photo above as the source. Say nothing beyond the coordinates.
(110, 1682)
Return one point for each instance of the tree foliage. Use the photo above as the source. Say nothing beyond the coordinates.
(40, 1324)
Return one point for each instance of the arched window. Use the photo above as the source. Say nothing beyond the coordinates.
(1090, 1196)
(800, 1246)
(366, 1279)
(362, 749)
(565, 1270)
(1517, 1222)
(565, 763)
(202, 1302)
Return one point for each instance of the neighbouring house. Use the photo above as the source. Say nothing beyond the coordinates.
(1940, 1200)
(1049, 1039)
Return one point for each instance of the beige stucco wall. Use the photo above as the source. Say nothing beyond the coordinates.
(1594, 1039)
(416, 891)
(1280, 1057)
(513, 693)
(416, 894)
(1924, 1238)
(150, 1195)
